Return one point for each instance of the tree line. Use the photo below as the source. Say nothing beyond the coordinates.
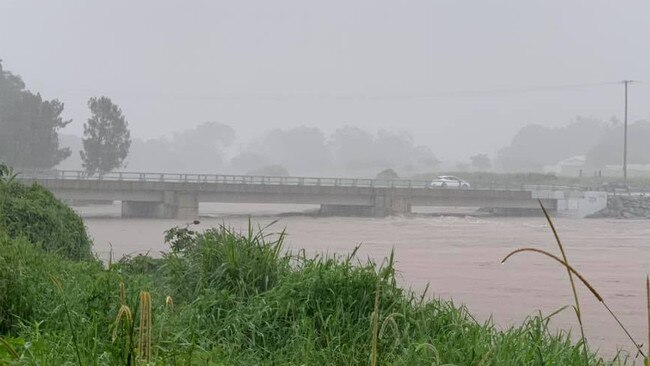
(600, 143)
(29, 127)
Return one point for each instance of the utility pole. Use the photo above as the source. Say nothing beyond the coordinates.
(626, 82)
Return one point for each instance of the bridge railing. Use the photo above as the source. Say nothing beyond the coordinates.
(222, 179)
(275, 180)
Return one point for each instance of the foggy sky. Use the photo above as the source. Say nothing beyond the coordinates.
(411, 65)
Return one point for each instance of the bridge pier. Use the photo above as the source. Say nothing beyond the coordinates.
(186, 206)
(139, 209)
(387, 205)
(384, 205)
(175, 205)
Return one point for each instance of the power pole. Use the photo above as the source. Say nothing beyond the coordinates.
(626, 82)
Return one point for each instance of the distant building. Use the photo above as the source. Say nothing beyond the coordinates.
(569, 167)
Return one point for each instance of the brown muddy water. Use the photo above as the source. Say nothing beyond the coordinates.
(458, 256)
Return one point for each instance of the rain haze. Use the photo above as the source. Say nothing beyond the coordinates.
(449, 133)
(460, 77)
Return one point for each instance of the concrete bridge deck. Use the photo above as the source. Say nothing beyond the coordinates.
(166, 195)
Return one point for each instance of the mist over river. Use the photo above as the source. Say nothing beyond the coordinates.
(458, 256)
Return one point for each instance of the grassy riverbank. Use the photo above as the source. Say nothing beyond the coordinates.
(227, 298)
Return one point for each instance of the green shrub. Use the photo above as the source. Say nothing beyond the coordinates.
(33, 212)
(27, 292)
(221, 259)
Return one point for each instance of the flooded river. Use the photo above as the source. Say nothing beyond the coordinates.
(459, 257)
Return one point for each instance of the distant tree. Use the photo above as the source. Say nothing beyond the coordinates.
(425, 159)
(270, 171)
(609, 150)
(387, 174)
(357, 150)
(106, 137)
(480, 162)
(462, 167)
(302, 150)
(29, 126)
(247, 162)
(197, 150)
(535, 146)
(201, 149)
(353, 149)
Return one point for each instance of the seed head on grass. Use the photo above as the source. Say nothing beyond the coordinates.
(125, 318)
(145, 327)
(169, 302)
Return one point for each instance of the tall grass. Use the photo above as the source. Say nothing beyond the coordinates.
(240, 299)
(571, 272)
(146, 327)
(68, 318)
(573, 285)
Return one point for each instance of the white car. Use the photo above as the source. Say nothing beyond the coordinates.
(448, 181)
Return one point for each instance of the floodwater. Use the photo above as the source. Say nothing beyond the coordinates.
(459, 257)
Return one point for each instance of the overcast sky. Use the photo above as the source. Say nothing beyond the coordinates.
(461, 76)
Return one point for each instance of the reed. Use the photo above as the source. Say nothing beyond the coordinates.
(123, 320)
(146, 327)
(375, 324)
(9, 348)
(582, 279)
(59, 286)
(573, 285)
(647, 291)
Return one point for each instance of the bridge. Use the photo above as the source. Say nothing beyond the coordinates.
(165, 195)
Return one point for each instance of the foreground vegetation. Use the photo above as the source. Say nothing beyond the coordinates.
(225, 298)
(221, 297)
(35, 214)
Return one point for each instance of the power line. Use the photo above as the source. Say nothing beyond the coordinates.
(280, 96)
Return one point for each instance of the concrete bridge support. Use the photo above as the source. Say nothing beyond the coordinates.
(140, 209)
(384, 205)
(186, 205)
(175, 205)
